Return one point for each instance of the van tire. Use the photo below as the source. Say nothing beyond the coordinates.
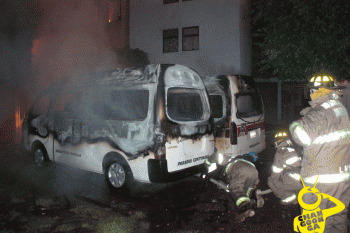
(118, 173)
(39, 154)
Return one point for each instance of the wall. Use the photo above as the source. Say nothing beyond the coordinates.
(223, 35)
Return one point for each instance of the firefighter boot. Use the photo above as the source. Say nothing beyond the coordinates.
(291, 200)
(245, 211)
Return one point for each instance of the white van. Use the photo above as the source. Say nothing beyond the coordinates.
(238, 114)
(151, 124)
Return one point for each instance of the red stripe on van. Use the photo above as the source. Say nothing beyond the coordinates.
(251, 127)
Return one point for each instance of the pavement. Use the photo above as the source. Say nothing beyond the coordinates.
(36, 200)
(28, 205)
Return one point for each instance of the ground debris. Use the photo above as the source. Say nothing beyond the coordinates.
(210, 207)
(51, 205)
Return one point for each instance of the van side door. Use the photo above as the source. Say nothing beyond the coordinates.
(67, 130)
(221, 122)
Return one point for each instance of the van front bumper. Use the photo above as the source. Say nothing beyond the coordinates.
(158, 171)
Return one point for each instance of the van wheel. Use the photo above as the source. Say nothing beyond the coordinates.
(118, 174)
(39, 156)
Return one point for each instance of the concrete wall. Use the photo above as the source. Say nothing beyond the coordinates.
(224, 34)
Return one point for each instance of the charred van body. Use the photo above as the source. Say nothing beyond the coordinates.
(238, 114)
(151, 124)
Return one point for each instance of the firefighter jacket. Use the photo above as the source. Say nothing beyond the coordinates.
(241, 176)
(216, 164)
(285, 180)
(224, 163)
(324, 133)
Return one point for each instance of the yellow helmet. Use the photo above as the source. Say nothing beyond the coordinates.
(324, 81)
(280, 136)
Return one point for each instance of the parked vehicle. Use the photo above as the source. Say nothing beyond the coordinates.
(149, 124)
(238, 114)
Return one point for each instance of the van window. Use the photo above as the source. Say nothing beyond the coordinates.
(216, 105)
(123, 105)
(185, 104)
(249, 104)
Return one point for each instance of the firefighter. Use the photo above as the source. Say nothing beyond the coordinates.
(285, 177)
(324, 133)
(241, 176)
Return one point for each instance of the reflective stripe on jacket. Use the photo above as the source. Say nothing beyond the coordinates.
(224, 160)
(285, 177)
(324, 132)
(285, 158)
(327, 178)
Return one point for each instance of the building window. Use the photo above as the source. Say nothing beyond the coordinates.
(170, 1)
(170, 40)
(190, 38)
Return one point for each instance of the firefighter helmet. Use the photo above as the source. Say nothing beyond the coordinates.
(323, 81)
(280, 136)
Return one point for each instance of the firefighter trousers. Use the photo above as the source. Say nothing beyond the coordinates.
(243, 178)
(283, 186)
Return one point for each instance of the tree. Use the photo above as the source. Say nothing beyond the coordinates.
(299, 38)
(128, 57)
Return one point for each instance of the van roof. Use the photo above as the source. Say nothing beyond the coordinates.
(243, 83)
(130, 76)
(123, 77)
(119, 77)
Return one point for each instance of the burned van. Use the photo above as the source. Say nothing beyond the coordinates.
(149, 124)
(238, 113)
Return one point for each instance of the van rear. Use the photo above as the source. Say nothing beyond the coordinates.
(185, 135)
(238, 114)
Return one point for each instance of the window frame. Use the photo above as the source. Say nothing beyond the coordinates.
(166, 37)
(184, 36)
(170, 1)
(257, 104)
(184, 90)
(113, 95)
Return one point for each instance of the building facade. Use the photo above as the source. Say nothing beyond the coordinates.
(210, 36)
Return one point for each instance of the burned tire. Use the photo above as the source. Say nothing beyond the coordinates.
(118, 174)
(39, 155)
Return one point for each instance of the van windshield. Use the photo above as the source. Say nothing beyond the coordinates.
(249, 104)
(123, 105)
(184, 104)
